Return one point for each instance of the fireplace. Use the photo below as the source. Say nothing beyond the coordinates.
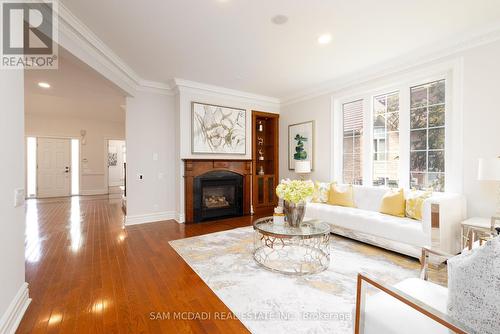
(216, 189)
(217, 194)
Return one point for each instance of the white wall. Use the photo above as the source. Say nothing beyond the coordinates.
(184, 101)
(316, 109)
(13, 290)
(115, 173)
(93, 173)
(481, 116)
(481, 134)
(150, 132)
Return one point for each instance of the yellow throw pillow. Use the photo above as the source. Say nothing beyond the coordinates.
(415, 204)
(321, 192)
(341, 197)
(393, 203)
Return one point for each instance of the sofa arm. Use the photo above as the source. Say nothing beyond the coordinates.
(441, 219)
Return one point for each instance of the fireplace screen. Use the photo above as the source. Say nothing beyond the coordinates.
(218, 197)
(217, 194)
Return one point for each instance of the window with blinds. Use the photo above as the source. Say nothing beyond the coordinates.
(352, 116)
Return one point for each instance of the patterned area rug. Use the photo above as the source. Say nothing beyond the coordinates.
(270, 302)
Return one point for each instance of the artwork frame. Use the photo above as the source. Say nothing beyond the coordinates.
(112, 159)
(215, 140)
(307, 131)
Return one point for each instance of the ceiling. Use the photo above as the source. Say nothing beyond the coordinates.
(76, 91)
(233, 44)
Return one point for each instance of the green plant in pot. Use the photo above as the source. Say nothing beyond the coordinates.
(295, 195)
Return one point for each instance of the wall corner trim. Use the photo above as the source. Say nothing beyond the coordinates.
(180, 218)
(15, 312)
(150, 218)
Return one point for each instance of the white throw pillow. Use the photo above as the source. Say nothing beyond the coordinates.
(474, 288)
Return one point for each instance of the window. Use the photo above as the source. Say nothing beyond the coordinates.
(404, 131)
(386, 140)
(427, 136)
(352, 115)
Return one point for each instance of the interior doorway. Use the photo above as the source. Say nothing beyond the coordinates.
(117, 155)
(52, 167)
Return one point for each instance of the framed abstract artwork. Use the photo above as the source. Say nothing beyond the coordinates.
(217, 129)
(300, 143)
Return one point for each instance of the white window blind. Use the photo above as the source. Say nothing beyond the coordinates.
(352, 117)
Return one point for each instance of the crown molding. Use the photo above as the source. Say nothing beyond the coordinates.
(182, 84)
(156, 87)
(116, 69)
(421, 56)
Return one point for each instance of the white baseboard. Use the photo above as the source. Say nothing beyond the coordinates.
(90, 192)
(150, 218)
(180, 218)
(15, 312)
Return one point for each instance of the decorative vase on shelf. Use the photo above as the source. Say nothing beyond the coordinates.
(294, 212)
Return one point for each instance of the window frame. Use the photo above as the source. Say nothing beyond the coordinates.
(386, 141)
(361, 136)
(451, 72)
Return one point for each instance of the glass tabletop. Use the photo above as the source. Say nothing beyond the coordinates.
(308, 228)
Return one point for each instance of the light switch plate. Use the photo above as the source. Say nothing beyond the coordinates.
(155, 156)
(19, 197)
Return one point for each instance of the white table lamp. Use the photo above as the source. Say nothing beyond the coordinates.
(302, 167)
(489, 170)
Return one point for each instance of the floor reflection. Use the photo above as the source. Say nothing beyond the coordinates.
(75, 225)
(33, 241)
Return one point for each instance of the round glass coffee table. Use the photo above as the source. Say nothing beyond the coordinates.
(292, 250)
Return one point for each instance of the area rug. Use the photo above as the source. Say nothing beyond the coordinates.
(270, 302)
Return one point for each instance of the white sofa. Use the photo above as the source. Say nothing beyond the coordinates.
(439, 228)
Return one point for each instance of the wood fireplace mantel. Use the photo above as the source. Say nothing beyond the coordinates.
(197, 167)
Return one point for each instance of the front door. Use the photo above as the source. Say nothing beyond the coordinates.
(54, 164)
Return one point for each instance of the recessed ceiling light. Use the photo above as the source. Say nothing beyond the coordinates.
(279, 19)
(325, 39)
(43, 85)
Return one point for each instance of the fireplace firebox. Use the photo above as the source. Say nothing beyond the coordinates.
(217, 194)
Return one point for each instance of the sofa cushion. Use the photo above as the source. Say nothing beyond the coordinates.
(375, 223)
(368, 198)
(321, 192)
(415, 203)
(393, 203)
(385, 314)
(341, 195)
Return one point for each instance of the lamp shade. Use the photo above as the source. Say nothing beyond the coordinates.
(489, 170)
(302, 167)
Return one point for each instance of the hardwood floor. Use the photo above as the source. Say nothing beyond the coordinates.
(89, 275)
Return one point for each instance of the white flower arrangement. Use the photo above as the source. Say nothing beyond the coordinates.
(295, 191)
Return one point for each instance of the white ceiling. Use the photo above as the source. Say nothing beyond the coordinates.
(76, 91)
(232, 43)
